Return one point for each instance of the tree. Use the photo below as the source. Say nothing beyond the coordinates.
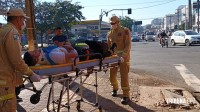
(182, 27)
(63, 14)
(126, 21)
(5, 5)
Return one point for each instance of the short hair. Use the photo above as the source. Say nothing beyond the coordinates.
(29, 60)
(58, 28)
(11, 18)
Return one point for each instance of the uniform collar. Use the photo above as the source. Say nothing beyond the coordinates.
(117, 29)
(9, 23)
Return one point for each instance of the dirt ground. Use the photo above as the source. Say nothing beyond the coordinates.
(147, 92)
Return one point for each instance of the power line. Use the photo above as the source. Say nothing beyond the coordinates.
(154, 5)
(128, 4)
(149, 18)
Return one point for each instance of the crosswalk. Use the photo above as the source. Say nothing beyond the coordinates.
(190, 79)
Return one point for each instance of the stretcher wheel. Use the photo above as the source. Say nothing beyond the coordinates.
(78, 106)
(17, 90)
(35, 98)
(100, 109)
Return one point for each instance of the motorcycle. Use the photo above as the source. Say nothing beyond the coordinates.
(164, 41)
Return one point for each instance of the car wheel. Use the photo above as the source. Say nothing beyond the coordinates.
(173, 43)
(187, 42)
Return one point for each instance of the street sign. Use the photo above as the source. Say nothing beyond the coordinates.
(137, 23)
(134, 28)
(195, 5)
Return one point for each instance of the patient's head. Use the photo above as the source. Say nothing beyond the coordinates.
(31, 57)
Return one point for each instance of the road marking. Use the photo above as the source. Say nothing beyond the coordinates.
(189, 78)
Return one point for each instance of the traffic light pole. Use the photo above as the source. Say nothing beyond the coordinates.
(198, 15)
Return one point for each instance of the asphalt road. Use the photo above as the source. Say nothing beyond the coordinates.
(151, 59)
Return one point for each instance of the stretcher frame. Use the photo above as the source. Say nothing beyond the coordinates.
(60, 73)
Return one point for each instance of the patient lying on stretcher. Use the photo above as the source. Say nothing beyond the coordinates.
(51, 55)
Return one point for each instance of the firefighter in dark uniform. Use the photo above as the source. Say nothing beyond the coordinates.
(122, 37)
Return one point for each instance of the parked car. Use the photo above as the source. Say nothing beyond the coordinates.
(150, 36)
(186, 37)
(135, 38)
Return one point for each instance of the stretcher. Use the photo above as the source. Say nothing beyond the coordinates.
(67, 74)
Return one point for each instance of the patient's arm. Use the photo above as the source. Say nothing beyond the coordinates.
(70, 55)
(69, 48)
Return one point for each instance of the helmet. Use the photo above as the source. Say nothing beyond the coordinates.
(114, 19)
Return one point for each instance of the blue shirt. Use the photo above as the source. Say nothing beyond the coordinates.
(60, 38)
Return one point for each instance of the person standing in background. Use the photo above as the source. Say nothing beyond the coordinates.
(59, 39)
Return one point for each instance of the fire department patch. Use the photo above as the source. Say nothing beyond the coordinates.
(16, 37)
(119, 34)
(126, 32)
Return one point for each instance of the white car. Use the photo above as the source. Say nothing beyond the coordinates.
(150, 36)
(186, 37)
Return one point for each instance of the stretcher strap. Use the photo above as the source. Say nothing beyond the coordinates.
(6, 97)
(47, 51)
(50, 60)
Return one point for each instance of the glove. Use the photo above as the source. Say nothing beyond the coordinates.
(111, 52)
(121, 59)
(35, 78)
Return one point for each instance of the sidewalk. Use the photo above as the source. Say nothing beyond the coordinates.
(145, 96)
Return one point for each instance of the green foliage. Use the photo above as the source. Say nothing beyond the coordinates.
(126, 21)
(5, 5)
(182, 26)
(50, 15)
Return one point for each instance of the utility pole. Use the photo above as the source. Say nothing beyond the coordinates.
(190, 14)
(185, 18)
(178, 18)
(198, 15)
(170, 22)
(31, 30)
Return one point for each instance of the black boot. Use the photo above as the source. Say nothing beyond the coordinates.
(114, 93)
(125, 100)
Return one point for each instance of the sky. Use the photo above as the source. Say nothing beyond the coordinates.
(142, 10)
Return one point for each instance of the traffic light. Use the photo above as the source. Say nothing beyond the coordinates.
(129, 11)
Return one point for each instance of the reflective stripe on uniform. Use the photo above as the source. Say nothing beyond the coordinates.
(6, 97)
(125, 88)
(2, 82)
(119, 52)
(28, 72)
(115, 83)
(124, 54)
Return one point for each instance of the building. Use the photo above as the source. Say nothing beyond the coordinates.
(90, 28)
(169, 22)
(156, 24)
